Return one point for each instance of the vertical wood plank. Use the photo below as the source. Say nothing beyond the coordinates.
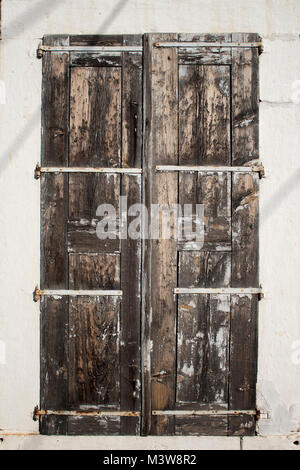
(160, 257)
(245, 101)
(130, 316)
(243, 350)
(95, 116)
(243, 363)
(204, 114)
(54, 264)
(94, 366)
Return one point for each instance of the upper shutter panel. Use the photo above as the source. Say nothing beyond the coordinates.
(92, 117)
(201, 109)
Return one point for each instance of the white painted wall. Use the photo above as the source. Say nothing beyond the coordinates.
(24, 22)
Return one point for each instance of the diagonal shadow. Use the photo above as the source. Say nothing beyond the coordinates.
(28, 18)
(19, 140)
(115, 11)
(281, 194)
(31, 15)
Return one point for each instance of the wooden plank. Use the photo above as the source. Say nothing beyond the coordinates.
(93, 426)
(95, 116)
(86, 193)
(130, 316)
(202, 362)
(243, 362)
(204, 114)
(204, 56)
(54, 313)
(94, 368)
(55, 105)
(160, 257)
(132, 128)
(94, 362)
(245, 231)
(201, 426)
(213, 190)
(101, 271)
(84, 59)
(96, 40)
(203, 269)
(245, 101)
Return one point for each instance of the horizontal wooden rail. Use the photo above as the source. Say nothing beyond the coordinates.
(129, 171)
(234, 169)
(58, 293)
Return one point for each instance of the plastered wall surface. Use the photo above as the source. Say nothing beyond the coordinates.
(24, 22)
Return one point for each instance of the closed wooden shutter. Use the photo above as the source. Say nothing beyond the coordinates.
(92, 117)
(155, 360)
(202, 110)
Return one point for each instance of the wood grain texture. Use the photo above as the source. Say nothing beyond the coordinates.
(94, 363)
(245, 101)
(202, 356)
(243, 362)
(245, 230)
(132, 141)
(130, 316)
(86, 193)
(54, 264)
(95, 116)
(204, 269)
(160, 257)
(213, 190)
(204, 114)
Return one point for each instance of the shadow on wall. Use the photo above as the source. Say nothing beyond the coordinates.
(33, 13)
(27, 18)
(282, 192)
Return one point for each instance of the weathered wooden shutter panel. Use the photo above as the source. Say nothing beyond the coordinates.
(201, 109)
(92, 112)
(189, 352)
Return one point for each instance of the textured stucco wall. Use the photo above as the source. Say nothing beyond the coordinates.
(24, 22)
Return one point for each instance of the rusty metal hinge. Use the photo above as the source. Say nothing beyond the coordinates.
(37, 413)
(37, 294)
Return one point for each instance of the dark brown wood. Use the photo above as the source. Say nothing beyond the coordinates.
(130, 354)
(243, 340)
(95, 116)
(160, 257)
(84, 59)
(54, 263)
(204, 114)
(243, 363)
(204, 269)
(245, 101)
(96, 40)
(198, 351)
